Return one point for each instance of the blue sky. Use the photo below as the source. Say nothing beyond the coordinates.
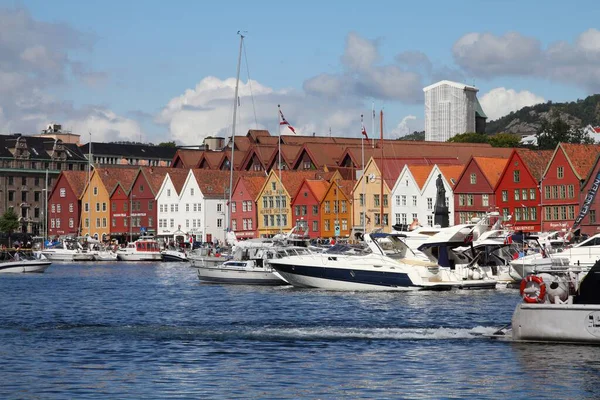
(142, 69)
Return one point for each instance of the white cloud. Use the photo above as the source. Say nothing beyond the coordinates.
(500, 101)
(403, 127)
(487, 55)
(207, 110)
(360, 53)
(106, 126)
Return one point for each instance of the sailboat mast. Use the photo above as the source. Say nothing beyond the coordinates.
(362, 155)
(235, 105)
(89, 186)
(381, 144)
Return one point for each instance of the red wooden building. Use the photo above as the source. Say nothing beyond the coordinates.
(568, 168)
(474, 190)
(133, 203)
(518, 191)
(306, 204)
(243, 206)
(64, 208)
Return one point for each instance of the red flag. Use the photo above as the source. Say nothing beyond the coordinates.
(284, 122)
(364, 130)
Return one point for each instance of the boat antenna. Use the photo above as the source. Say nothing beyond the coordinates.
(235, 106)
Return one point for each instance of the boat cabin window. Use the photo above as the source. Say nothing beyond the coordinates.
(595, 241)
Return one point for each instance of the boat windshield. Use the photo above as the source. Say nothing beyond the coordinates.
(292, 251)
(343, 248)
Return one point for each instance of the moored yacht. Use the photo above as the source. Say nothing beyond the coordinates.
(387, 264)
(145, 248)
(21, 262)
(66, 250)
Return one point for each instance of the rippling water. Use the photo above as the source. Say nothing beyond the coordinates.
(153, 331)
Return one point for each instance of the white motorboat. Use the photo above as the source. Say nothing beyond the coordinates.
(387, 264)
(559, 305)
(249, 265)
(584, 254)
(19, 262)
(144, 249)
(67, 250)
(174, 255)
(247, 272)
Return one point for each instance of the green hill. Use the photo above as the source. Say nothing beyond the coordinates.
(527, 120)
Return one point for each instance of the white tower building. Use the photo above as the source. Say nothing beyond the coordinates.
(449, 110)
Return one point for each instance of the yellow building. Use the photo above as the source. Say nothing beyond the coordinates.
(273, 203)
(95, 199)
(337, 206)
(368, 201)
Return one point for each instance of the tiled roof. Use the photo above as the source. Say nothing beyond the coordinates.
(178, 177)
(451, 172)
(536, 161)
(114, 175)
(215, 184)
(317, 187)
(292, 180)
(324, 154)
(581, 156)
(420, 173)
(77, 181)
(253, 184)
(491, 168)
(346, 186)
(189, 157)
(155, 177)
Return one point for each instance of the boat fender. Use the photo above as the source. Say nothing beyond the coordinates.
(538, 294)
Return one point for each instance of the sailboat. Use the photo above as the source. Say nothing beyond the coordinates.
(243, 268)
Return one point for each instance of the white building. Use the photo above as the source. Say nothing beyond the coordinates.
(407, 202)
(169, 218)
(450, 109)
(450, 175)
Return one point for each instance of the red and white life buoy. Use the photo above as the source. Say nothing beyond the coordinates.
(536, 296)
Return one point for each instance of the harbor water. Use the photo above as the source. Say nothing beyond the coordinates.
(153, 331)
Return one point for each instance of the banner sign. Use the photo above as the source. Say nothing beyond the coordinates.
(589, 198)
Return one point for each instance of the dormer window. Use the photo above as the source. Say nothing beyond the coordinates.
(473, 179)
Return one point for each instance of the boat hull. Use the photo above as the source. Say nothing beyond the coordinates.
(139, 257)
(238, 276)
(174, 257)
(343, 279)
(24, 266)
(574, 323)
(58, 256)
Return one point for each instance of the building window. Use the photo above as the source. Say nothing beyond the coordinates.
(385, 200)
(397, 215)
(461, 200)
(555, 192)
(271, 204)
(297, 210)
(150, 205)
(87, 222)
(571, 212)
(95, 191)
(103, 206)
(397, 200)
(563, 192)
(414, 201)
(273, 186)
(63, 192)
(316, 209)
(71, 222)
(265, 220)
(517, 194)
(571, 191)
(430, 203)
(470, 200)
(376, 200)
(524, 194)
(531, 194)
(430, 220)
(219, 207)
(547, 192)
(114, 222)
(233, 207)
(517, 176)
(315, 227)
(377, 219)
(168, 192)
(404, 222)
(327, 225)
(473, 179)
(485, 200)
(234, 224)
(97, 222)
(58, 208)
(403, 200)
(327, 207)
(548, 211)
(517, 214)
(505, 195)
(361, 199)
(560, 172)
(592, 216)
(150, 221)
(191, 191)
(533, 213)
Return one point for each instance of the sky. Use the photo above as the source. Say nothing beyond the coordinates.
(157, 71)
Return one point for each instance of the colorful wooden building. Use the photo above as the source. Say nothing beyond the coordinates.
(243, 206)
(64, 208)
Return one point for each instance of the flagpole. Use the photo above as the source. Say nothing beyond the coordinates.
(279, 158)
(373, 124)
(362, 148)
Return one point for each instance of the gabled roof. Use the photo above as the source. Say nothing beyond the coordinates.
(263, 153)
(111, 177)
(451, 173)
(215, 184)
(317, 187)
(536, 161)
(77, 180)
(253, 184)
(155, 177)
(178, 177)
(491, 168)
(420, 173)
(189, 158)
(346, 186)
(581, 157)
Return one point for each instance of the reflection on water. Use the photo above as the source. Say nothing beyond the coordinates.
(154, 331)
